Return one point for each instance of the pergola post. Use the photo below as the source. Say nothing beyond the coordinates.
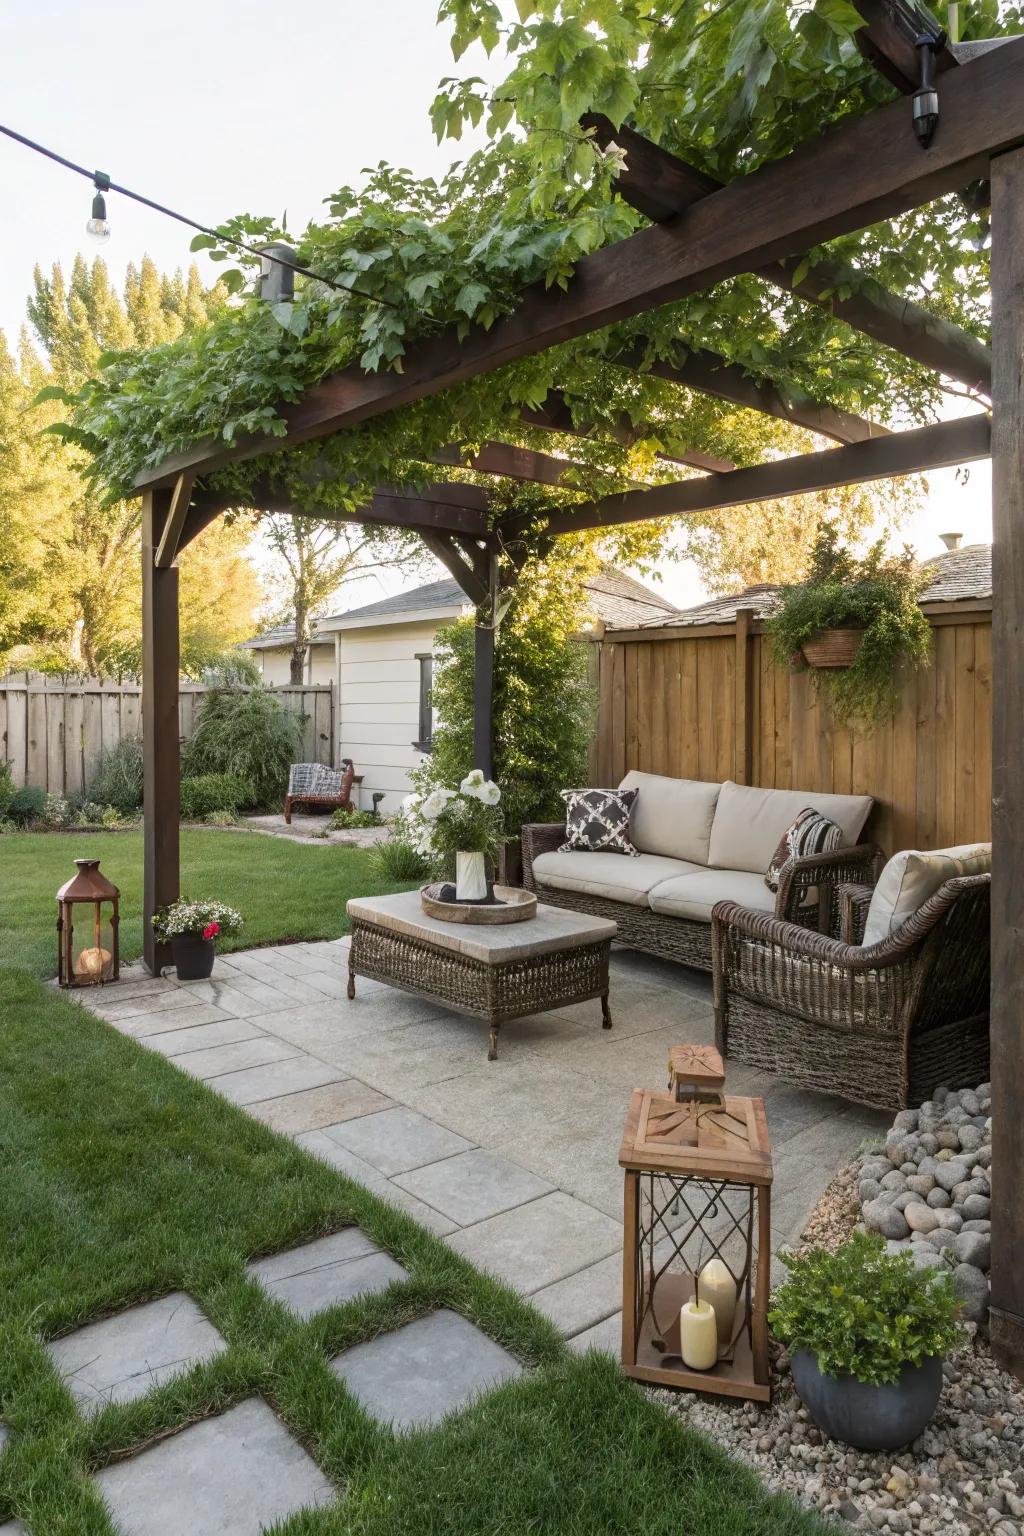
(1007, 1313)
(160, 668)
(487, 619)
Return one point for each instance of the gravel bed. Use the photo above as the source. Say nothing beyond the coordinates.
(965, 1473)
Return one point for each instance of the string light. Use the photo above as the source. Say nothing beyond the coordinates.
(98, 227)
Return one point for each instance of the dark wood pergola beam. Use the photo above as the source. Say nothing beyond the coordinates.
(710, 374)
(659, 185)
(877, 458)
(555, 415)
(863, 170)
(444, 508)
(508, 460)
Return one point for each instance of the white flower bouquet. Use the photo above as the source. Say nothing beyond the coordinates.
(196, 920)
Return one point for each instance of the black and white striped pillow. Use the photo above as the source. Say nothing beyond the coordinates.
(597, 821)
(811, 832)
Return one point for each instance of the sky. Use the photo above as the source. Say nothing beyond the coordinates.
(215, 107)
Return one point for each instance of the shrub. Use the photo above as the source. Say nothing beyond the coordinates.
(862, 1312)
(27, 805)
(879, 595)
(543, 704)
(212, 793)
(399, 862)
(118, 779)
(196, 917)
(343, 820)
(246, 734)
(6, 788)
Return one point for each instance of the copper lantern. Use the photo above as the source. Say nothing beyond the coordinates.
(87, 921)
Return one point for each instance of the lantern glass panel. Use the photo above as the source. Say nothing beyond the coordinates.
(92, 943)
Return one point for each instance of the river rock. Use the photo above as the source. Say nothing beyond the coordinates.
(950, 1221)
(920, 1217)
(970, 1138)
(875, 1168)
(974, 1248)
(885, 1218)
(868, 1189)
(972, 1288)
(921, 1183)
(983, 1225)
(937, 1198)
(976, 1208)
(949, 1174)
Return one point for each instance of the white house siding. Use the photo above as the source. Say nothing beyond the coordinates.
(275, 664)
(378, 704)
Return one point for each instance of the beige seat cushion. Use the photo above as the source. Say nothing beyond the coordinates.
(911, 877)
(671, 817)
(695, 894)
(607, 874)
(750, 822)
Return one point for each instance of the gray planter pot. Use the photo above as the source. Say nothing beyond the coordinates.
(871, 1418)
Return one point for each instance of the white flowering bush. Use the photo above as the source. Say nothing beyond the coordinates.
(196, 920)
(463, 820)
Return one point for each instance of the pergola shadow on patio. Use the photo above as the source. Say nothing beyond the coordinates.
(864, 169)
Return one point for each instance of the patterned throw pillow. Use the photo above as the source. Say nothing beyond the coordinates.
(811, 832)
(597, 821)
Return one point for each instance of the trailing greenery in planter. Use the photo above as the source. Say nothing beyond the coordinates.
(863, 1312)
(877, 595)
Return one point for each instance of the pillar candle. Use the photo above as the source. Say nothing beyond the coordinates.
(698, 1335)
(716, 1285)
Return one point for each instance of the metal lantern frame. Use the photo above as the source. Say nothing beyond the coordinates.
(697, 1186)
(87, 889)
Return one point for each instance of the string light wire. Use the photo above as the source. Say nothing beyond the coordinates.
(204, 229)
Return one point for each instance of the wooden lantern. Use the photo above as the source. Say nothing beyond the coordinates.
(87, 923)
(698, 1174)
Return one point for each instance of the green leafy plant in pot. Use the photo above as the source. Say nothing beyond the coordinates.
(867, 1333)
(192, 929)
(854, 622)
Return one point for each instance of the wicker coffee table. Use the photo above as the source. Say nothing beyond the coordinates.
(491, 973)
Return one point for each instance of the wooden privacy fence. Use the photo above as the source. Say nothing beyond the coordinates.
(54, 732)
(709, 703)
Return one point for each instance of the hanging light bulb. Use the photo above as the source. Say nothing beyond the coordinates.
(97, 226)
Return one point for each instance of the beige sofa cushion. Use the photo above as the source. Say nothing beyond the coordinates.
(606, 874)
(672, 817)
(749, 822)
(910, 878)
(695, 894)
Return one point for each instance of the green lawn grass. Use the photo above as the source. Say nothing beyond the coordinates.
(284, 890)
(125, 1179)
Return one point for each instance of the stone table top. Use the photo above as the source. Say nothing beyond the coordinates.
(551, 930)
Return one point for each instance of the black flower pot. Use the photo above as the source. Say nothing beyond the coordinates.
(193, 956)
(883, 1418)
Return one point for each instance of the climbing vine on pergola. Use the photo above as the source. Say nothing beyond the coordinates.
(700, 235)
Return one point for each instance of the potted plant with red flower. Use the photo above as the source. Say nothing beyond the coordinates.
(192, 929)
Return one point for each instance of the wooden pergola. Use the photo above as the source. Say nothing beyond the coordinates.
(864, 169)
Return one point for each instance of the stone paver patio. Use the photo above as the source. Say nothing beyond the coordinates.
(514, 1162)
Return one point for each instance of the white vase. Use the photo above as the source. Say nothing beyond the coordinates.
(470, 877)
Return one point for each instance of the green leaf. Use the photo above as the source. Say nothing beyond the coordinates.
(419, 285)
(470, 296)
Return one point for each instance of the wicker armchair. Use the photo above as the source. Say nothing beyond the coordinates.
(688, 942)
(882, 1025)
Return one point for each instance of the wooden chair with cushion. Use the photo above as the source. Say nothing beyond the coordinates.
(883, 1022)
(318, 787)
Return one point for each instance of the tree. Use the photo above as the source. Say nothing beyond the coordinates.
(78, 553)
(318, 559)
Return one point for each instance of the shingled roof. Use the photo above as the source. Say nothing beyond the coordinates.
(615, 599)
(960, 575)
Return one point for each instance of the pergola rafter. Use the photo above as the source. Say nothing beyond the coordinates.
(864, 169)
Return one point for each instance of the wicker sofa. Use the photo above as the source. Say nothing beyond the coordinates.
(882, 1023)
(700, 844)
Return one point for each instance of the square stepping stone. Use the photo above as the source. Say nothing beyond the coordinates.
(124, 1357)
(417, 1374)
(473, 1185)
(398, 1140)
(539, 1243)
(327, 1271)
(235, 1475)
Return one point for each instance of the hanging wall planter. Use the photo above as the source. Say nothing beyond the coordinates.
(833, 648)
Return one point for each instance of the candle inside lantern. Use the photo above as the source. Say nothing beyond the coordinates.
(698, 1335)
(92, 962)
(716, 1285)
